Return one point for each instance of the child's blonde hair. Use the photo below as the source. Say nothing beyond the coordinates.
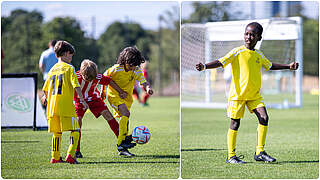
(88, 70)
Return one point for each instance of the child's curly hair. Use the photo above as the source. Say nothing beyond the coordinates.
(88, 70)
(131, 56)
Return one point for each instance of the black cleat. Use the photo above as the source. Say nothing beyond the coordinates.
(127, 143)
(124, 146)
(263, 156)
(235, 160)
(126, 153)
(128, 139)
(78, 154)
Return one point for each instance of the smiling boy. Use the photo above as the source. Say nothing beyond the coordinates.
(246, 63)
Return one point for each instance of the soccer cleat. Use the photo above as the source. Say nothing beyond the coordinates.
(263, 156)
(71, 160)
(78, 154)
(128, 139)
(56, 161)
(235, 160)
(124, 146)
(125, 152)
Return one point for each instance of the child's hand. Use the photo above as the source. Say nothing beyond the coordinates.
(44, 100)
(149, 90)
(200, 66)
(123, 95)
(294, 66)
(103, 95)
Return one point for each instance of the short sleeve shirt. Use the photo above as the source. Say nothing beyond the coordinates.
(125, 80)
(246, 67)
(60, 86)
(48, 59)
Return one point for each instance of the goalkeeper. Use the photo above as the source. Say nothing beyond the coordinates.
(125, 73)
(246, 63)
(89, 79)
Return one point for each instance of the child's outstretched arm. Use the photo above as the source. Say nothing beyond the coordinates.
(148, 88)
(115, 86)
(82, 101)
(210, 65)
(291, 66)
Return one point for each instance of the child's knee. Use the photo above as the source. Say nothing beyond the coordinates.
(126, 113)
(264, 119)
(107, 115)
(235, 124)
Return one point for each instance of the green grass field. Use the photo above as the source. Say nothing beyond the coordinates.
(26, 153)
(293, 138)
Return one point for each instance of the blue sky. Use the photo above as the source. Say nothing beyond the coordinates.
(145, 13)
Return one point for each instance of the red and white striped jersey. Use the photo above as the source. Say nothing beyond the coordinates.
(90, 89)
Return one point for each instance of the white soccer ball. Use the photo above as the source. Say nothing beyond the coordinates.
(141, 135)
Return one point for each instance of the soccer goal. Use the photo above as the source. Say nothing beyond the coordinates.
(281, 43)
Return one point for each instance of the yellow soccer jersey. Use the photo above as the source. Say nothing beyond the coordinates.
(246, 72)
(125, 80)
(60, 86)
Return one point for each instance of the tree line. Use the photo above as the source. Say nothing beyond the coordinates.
(24, 36)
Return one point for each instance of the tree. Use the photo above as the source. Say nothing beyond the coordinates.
(164, 65)
(21, 32)
(311, 47)
(118, 36)
(211, 12)
(69, 29)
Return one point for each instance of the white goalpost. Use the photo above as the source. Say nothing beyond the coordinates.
(281, 43)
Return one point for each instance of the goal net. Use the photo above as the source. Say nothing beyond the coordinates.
(281, 43)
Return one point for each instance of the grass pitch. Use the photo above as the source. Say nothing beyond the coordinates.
(25, 154)
(293, 138)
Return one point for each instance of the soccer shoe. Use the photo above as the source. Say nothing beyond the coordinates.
(78, 154)
(235, 160)
(124, 146)
(56, 161)
(126, 153)
(71, 160)
(263, 156)
(128, 139)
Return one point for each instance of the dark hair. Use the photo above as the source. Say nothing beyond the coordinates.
(131, 56)
(52, 43)
(256, 26)
(62, 47)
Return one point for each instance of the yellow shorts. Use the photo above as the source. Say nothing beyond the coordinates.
(115, 102)
(60, 124)
(235, 108)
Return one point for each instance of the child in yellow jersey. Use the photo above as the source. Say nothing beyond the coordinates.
(246, 63)
(125, 73)
(59, 93)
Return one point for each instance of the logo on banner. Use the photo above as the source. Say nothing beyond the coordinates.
(19, 103)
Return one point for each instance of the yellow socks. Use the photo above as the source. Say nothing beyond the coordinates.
(232, 139)
(123, 128)
(261, 138)
(74, 138)
(56, 144)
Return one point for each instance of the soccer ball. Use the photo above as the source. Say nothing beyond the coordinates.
(141, 135)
